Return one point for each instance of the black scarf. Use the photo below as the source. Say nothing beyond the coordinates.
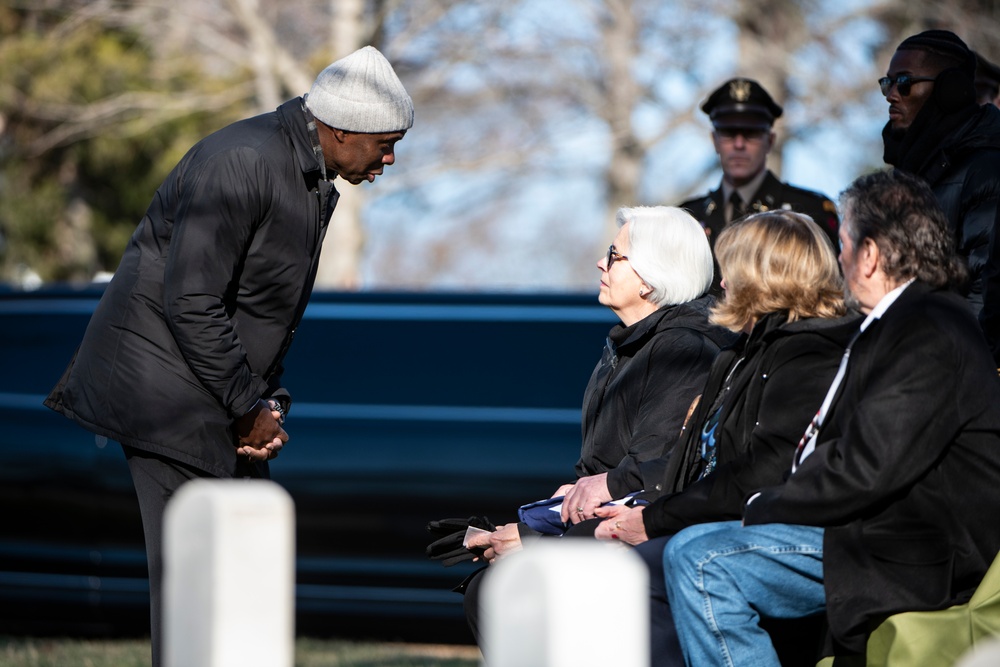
(913, 149)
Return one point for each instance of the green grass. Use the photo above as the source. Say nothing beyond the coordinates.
(35, 652)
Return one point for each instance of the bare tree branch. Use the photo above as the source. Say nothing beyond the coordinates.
(78, 122)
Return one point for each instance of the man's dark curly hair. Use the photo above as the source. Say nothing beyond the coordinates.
(900, 213)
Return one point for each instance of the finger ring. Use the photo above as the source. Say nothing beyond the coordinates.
(580, 510)
(618, 525)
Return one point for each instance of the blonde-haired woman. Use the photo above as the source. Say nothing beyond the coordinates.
(783, 292)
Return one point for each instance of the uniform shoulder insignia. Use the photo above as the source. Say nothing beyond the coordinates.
(792, 191)
(814, 204)
(699, 206)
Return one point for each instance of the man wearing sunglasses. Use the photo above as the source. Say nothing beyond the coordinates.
(743, 115)
(938, 131)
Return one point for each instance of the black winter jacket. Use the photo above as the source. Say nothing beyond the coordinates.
(958, 155)
(192, 329)
(639, 393)
(905, 476)
(776, 378)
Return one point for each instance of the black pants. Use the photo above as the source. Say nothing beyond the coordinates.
(470, 589)
(156, 479)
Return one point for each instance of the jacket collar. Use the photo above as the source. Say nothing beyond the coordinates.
(776, 325)
(916, 289)
(748, 192)
(760, 200)
(293, 119)
(622, 336)
(692, 314)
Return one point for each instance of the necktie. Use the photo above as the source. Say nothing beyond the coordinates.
(807, 444)
(738, 207)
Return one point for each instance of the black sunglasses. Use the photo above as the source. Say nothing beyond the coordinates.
(613, 256)
(903, 83)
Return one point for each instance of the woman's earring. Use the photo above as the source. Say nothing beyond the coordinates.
(642, 292)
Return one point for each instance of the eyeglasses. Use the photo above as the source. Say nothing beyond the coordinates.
(613, 256)
(903, 83)
(750, 135)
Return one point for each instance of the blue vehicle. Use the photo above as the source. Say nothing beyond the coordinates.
(407, 408)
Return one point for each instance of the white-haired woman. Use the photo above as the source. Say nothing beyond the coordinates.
(655, 277)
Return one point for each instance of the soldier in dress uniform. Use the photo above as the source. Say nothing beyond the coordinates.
(743, 115)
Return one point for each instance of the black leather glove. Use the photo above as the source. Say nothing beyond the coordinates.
(448, 547)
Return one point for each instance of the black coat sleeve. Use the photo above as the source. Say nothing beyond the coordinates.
(222, 199)
(890, 426)
(676, 369)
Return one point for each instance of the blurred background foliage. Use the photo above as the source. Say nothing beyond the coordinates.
(534, 120)
(80, 153)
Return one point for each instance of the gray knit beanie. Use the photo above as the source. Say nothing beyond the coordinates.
(361, 93)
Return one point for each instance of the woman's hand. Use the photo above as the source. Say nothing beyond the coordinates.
(478, 541)
(562, 490)
(584, 497)
(621, 523)
(504, 541)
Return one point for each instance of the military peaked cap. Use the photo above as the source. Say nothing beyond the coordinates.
(741, 103)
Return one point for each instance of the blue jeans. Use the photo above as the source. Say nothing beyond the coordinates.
(723, 577)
